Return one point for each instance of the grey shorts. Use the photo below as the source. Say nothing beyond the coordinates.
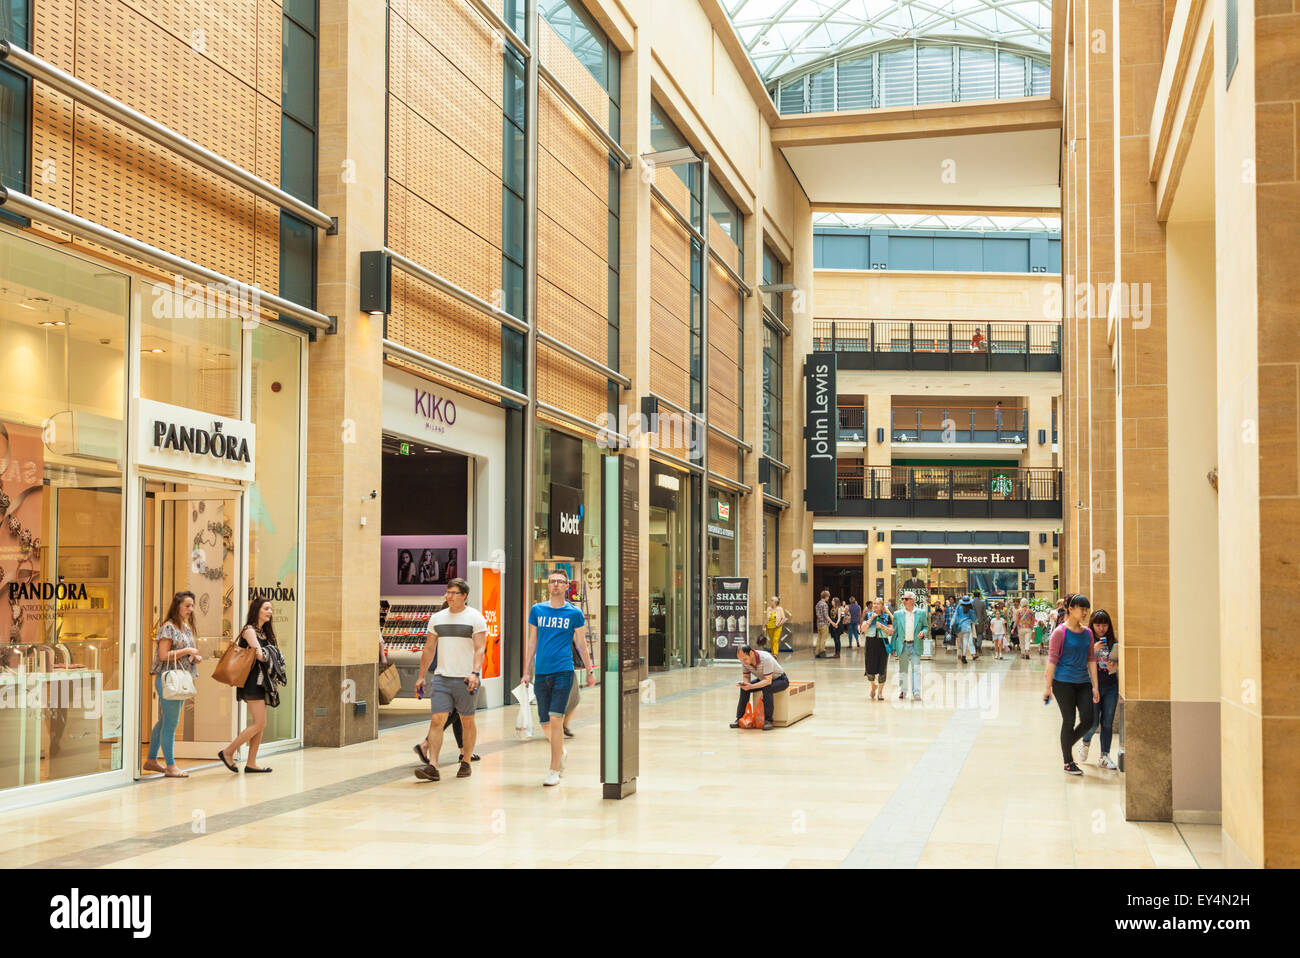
(447, 693)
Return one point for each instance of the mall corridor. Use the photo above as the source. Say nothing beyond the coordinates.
(969, 776)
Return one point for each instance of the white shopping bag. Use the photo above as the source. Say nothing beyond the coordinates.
(523, 694)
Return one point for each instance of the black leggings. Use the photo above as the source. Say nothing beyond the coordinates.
(1071, 696)
(454, 721)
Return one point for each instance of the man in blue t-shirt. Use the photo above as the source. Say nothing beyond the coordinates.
(554, 628)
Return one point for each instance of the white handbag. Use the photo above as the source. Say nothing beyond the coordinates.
(177, 683)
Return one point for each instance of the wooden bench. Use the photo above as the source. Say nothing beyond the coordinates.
(791, 704)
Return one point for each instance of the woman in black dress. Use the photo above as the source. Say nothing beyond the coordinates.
(878, 632)
(258, 633)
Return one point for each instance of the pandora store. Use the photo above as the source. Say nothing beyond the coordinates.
(111, 504)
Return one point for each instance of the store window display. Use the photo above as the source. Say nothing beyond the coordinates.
(63, 323)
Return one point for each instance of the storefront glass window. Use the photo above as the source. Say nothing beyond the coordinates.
(190, 346)
(669, 559)
(63, 324)
(723, 521)
(570, 467)
(273, 503)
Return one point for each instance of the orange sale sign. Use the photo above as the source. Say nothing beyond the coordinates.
(492, 614)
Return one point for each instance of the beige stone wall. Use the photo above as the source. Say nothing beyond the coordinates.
(1277, 238)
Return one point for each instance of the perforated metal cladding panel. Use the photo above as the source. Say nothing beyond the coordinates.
(462, 37)
(723, 245)
(462, 101)
(194, 68)
(559, 59)
(443, 175)
(270, 46)
(570, 386)
(670, 316)
(398, 363)
(724, 344)
(724, 458)
(54, 36)
(437, 325)
(672, 186)
(572, 235)
(444, 190)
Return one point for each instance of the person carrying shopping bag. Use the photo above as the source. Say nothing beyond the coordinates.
(174, 648)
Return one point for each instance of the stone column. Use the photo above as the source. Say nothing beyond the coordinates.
(1142, 411)
(345, 386)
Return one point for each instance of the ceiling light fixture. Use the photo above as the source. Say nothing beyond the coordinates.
(155, 349)
(59, 323)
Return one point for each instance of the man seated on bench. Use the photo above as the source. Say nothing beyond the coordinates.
(768, 677)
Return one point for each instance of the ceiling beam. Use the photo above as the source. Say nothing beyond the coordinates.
(905, 123)
(936, 210)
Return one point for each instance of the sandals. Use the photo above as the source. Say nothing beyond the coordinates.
(149, 765)
(226, 762)
(176, 775)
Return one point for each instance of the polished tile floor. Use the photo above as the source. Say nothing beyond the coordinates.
(968, 776)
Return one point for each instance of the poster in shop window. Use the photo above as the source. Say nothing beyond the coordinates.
(729, 615)
(491, 609)
(22, 472)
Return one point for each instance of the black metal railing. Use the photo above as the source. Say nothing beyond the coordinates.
(941, 491)
(959, 424)
(852, 424)
(930, 344)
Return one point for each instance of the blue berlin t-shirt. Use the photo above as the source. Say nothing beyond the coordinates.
(555, 628)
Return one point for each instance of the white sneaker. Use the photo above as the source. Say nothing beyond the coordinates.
(1083, 751)
(1105, 762)
(552, 778)
(564, 759)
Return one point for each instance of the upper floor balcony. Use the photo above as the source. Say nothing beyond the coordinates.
(935, 345)
(951, 492)
(1006, 428)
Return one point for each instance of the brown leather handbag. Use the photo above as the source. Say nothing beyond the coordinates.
(235, 665)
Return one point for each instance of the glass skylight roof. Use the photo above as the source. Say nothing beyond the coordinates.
(947, 221)
(783, 35)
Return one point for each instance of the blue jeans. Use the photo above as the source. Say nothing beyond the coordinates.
(1105, 718)
(552, 690)
(853, 634)
(164, 730)
(909, 659)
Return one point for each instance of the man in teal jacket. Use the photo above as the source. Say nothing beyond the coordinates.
(911, 626)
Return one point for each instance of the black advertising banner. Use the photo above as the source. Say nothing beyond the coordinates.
(566, 522)
(820, 491)
(729, 622)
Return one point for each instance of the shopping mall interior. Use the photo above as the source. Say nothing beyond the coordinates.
(923, 365)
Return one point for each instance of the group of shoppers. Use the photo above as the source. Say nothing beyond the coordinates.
(836, 619)
(1083, 675)
(175, 648)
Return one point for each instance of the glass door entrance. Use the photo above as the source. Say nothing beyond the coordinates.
(189, 545)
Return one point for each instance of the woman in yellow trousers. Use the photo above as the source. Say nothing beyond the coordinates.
(776, 619)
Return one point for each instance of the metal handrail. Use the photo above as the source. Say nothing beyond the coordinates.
(613, 375)
(490, 15)
(82, 92)
(558, 413)
(413, 268)
(676, 214)
(775, 320)
(24, 205)
(731, 273)
(694, 467)
(736, 484)
(453, 372)
(554, 82)
(734, 440)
